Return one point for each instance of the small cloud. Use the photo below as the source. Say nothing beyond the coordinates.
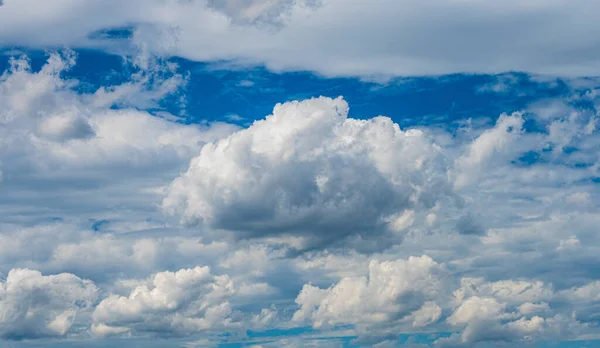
(549, 109)
(568, 244)
(579, 199)
(234, 118)
(12, 52)
(245, 83)
(501, 85)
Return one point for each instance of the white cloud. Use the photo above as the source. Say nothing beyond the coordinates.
(308, 170)
(81, 128)
(84, 175)
(333, 37)
(475, 309)
(483, 148)
(510, 311)
(508, 291)
(91, 155)
(400, 290)
(185, 301)
(105, 256)
(33, 305)
(568, 244)
(414, 294)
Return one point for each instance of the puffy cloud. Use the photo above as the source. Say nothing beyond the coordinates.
(584, 301)
(87, 168)
(56, 137)
(476, 308)
(185, 301)
(484, 310)
(400, 290)
(508, 291)
(483, 148)
(34, 306)
(308, 170)
(518, 311)
(419, 295)
(105, 256)
(332, 37)
(82, 127)
(84, 175)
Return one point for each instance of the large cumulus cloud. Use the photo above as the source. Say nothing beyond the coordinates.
(308, 170)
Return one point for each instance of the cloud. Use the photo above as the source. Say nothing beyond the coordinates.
(34, 306)
(334, 37)
(308, 170)
(419, 294)
(56, 137)
(493, 141)
(511, 311)
(508, 255)
(105, 256)
(185, 301)
(393, 291)
(259, 11)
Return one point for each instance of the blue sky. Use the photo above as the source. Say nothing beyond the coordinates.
(274, 173)
(213, 93)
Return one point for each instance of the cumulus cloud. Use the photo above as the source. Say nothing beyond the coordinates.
(185, 301)
(513, 311)
(107, 256)
(420, 294)
(56, 137)
(484, 147)
(33, 305)
(508, 214)
(401, 290)
(309, 170)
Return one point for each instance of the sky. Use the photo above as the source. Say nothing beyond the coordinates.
(293, 173)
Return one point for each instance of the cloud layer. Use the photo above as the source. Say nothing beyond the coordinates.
(331, 37)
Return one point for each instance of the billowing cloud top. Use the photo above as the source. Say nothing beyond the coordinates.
(308, 170)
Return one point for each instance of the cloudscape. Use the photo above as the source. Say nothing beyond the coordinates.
(293, 173)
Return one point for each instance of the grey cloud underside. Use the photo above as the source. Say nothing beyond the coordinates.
(308, 217)
(331, 37)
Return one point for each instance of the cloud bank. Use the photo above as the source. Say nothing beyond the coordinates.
(330, 37)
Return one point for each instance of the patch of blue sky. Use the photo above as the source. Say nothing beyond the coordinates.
(97, 225)
(243, 95)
